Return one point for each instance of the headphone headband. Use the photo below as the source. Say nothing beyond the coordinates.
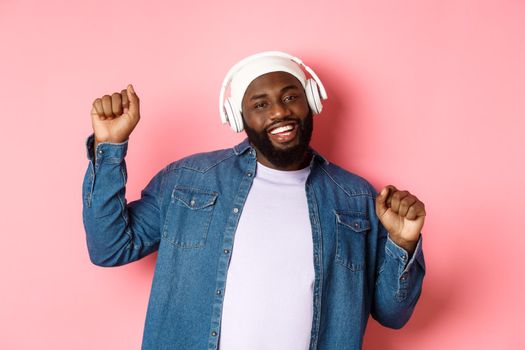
(233, 70)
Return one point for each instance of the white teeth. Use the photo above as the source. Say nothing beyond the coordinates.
(281, 129)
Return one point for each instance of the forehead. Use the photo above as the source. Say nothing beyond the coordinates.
(271, 81)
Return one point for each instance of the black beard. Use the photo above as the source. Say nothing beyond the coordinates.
(283, 158)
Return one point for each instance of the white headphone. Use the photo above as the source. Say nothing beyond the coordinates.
(230, 113)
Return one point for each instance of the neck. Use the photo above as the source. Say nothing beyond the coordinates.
(301, 163)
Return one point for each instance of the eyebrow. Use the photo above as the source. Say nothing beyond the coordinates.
(286, 88)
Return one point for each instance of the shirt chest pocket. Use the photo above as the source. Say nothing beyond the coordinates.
(352, 229)
(189, 216)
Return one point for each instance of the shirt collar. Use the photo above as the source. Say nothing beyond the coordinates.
(245, 146)
(242, 147)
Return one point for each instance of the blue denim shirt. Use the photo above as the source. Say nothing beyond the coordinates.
(189, 212)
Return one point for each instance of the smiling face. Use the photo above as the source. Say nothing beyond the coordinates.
(278, 121)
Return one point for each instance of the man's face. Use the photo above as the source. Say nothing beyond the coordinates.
(277, 119)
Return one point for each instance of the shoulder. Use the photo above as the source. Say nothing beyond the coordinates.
(201, 162)
(351, 183)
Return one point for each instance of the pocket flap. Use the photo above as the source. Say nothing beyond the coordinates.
(354, 222)
(194, 198)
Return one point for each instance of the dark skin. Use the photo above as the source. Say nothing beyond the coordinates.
(114, 117)
(270, 98)
(276, 95)
(279, 95)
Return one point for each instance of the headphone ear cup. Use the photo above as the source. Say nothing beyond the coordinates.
(312, 95)
(233, 115)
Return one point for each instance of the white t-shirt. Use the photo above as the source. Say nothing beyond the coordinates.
(268, 296)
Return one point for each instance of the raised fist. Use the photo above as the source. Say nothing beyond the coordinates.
(114, 117)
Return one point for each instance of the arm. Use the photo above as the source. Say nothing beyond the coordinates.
(116, 232)
(400, 272)
(398, 282)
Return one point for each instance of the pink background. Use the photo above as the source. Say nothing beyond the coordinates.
(426, 95)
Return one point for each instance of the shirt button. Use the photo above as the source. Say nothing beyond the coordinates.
(218, 292)
(403, 277)
(226, 251)
(235, 210)
(100, 151)
(214, 333)
(356, 225)
(192, 202)
(249, 174)
(403, 257)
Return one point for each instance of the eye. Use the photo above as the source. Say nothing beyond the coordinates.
(290, 98)
(260, 105)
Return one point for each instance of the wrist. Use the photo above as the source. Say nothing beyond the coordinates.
(408, 245)
(114, 140)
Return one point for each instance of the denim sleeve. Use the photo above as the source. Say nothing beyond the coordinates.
(118, 233)
(399, 279)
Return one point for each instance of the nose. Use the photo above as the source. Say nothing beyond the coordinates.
(279, 110)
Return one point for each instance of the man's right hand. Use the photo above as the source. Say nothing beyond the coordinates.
(114, 117)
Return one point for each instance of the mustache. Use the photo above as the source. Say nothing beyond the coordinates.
(285, 119)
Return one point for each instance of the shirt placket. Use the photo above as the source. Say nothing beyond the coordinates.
(313, 211)
(227, 247)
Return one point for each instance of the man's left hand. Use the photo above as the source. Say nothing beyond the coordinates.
(402, 214)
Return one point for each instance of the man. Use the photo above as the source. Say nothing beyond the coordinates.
(266, 245)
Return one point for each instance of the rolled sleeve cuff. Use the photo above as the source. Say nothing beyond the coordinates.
(401, 254)
(109, 151)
